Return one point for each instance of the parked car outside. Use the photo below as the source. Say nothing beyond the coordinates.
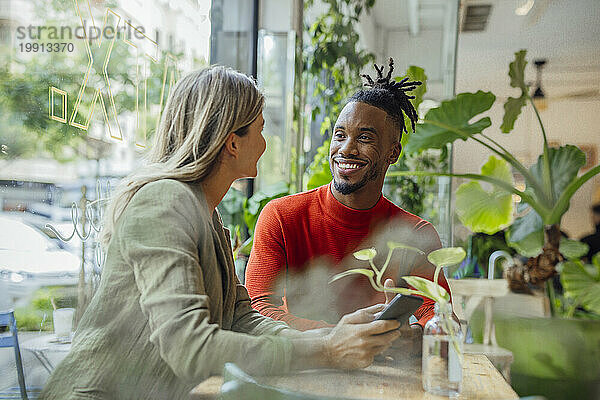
(30, 260)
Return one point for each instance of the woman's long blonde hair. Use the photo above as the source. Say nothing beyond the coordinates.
(203, 108)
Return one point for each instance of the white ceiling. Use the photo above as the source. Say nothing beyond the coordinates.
(565, 32)
(393, 14)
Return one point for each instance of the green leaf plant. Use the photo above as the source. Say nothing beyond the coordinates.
(549, 184)
(250, 210)
(581, 283)
(333, 63)
(422, 286)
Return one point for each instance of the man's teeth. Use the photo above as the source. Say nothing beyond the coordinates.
(348, 166)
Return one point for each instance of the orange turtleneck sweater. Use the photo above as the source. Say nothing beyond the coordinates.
(294, 230)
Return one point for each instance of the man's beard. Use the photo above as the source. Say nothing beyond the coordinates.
(346, 188)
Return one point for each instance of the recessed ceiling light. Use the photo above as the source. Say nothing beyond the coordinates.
(525, 8)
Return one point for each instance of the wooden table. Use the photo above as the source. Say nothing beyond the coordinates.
(389, 380)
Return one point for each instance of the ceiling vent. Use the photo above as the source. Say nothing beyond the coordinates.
(476, 17)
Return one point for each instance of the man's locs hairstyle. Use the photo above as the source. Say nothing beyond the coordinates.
(390, 96)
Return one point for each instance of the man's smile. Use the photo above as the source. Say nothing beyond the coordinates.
(348, 166)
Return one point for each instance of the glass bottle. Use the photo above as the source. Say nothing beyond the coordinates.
(442, 353)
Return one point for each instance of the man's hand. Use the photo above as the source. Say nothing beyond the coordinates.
(357, 338)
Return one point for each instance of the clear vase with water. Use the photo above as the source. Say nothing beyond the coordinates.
(442, 353)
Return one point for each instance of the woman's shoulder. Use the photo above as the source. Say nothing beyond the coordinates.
(163, 203)
(165, 187)
(165, 194)
(168, 191)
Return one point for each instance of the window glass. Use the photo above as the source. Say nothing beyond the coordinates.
(276, 78)
(17, 236)
(82, 87)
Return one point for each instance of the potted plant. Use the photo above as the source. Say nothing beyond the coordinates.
(550, 183)
(564, 366)
(442, 337)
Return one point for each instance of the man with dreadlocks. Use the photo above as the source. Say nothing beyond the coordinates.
(350, 213)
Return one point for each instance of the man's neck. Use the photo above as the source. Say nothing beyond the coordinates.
(362, 199)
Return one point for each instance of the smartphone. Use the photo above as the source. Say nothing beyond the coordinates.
(400, 308)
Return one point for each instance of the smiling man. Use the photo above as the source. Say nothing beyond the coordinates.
(331, 222)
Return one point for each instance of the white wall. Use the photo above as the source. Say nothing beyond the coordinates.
(423, 50)
(368, 29)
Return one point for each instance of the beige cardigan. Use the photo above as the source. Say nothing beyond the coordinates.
(169, 311)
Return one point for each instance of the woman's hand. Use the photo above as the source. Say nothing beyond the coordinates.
(357, 338)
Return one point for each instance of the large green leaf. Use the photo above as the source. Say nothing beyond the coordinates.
(573, 249)
(565, 163)
(582, 283)
(486, 211)
(527, 223)
(562, 204)
(447, 256)
(531, 245)
(512, 109)
(513, 106)
(516, 71)
(441, 124)
(526, 235)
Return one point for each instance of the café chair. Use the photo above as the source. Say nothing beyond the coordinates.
(10, 339)
(239, 385)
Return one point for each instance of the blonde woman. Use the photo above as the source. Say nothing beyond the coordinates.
(170, 311)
